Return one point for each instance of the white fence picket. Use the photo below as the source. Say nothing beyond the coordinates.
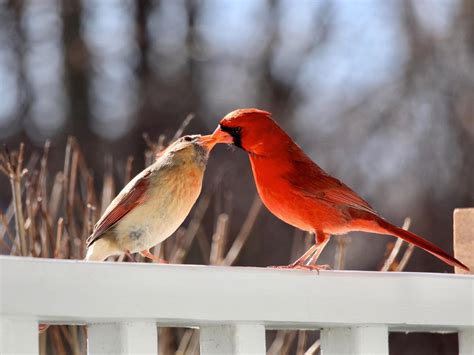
(122, 338)
(463, 230)
(18, 336)
(354, 341)
(466, 340)
(240, 339)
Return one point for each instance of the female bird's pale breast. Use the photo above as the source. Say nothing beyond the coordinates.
(174, 191)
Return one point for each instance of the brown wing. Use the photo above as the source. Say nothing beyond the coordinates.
(131, 196)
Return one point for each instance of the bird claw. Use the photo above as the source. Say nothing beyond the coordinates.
(300, 266)
(147, 254)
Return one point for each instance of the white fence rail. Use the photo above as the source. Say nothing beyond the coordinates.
(122, 303)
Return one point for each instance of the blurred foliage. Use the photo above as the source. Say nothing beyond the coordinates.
(379, 93)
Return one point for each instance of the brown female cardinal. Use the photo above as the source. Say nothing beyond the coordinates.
(302, 194)
(154, 204)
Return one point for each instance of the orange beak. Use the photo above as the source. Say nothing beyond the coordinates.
(207, 141)
(222, 137)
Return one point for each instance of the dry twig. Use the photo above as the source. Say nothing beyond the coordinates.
(406, 257)
(11, 164)
(187, 120)
(219, 239)
(244, 233)
(313, 348)
(396, 248)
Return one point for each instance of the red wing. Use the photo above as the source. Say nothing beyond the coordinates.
(131, 196)
(316, 183)
(337, 192)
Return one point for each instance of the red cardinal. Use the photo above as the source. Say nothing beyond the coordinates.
(299, 192)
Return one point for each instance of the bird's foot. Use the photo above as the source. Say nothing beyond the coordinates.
(301, 266)
(42, 327)
(313, 267)
(147, 254)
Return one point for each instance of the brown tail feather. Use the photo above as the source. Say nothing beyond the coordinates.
(422, 243)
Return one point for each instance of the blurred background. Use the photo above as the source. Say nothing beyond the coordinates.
(379, 93)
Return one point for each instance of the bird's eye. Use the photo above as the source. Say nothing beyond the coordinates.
(188, 139)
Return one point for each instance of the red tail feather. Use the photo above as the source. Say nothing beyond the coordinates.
(422, 243)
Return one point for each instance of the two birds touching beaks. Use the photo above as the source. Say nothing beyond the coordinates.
(294, 188)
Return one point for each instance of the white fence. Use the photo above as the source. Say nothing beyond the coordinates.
(122, 303)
